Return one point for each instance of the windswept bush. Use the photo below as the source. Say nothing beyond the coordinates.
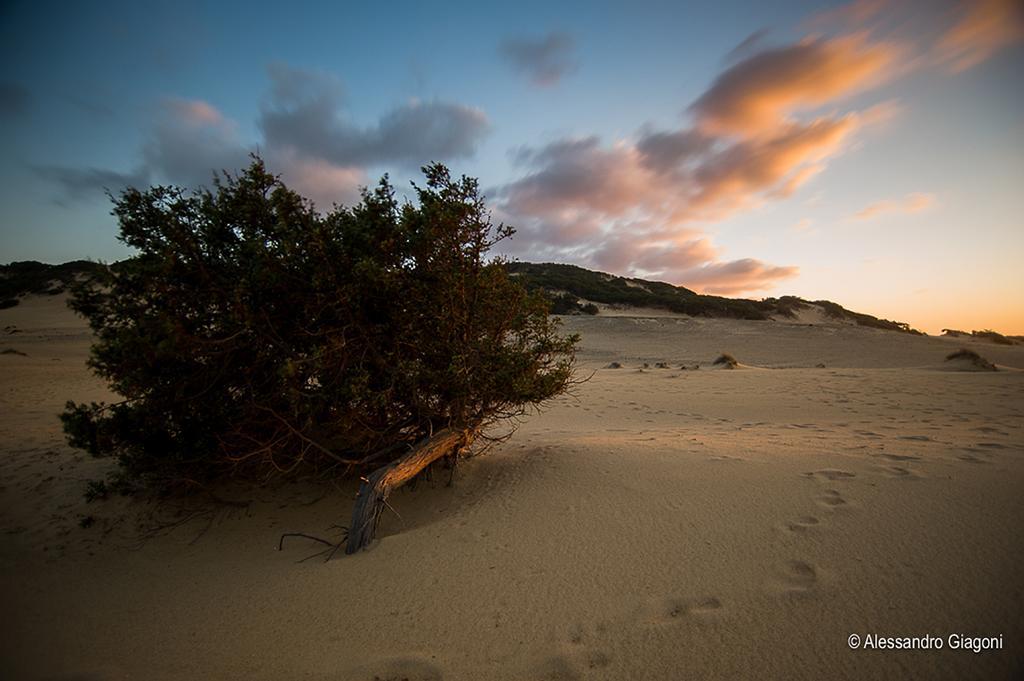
(972, 358)
(254, 336)
(993, 336)
(726, 360)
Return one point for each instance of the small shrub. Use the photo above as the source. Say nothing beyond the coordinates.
(993, 336)
(963, 354)
(727, 360)
(96, 489)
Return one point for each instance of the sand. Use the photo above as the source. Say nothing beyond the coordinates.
(659, 524)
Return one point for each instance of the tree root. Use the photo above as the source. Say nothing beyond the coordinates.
(375, 488)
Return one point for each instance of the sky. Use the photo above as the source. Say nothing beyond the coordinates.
(869, 153)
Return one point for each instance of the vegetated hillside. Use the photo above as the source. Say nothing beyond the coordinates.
(29, 276)
(567, 284)
(985, 334)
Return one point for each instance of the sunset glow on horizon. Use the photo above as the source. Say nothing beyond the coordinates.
(869, 153)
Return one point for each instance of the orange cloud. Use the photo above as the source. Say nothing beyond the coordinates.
(777, 165)
(758, 94)
(985, 27)
(730, 278)
(195, 112)
(911, 203)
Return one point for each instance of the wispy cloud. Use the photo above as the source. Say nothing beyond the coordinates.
(89, 184)
(911, 203)
(759, 93)
(984, 28)
(545, 60)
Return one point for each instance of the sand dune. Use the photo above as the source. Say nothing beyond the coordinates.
(660, 524)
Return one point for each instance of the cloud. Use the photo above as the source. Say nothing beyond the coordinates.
(545, 60)
(89, 184)
(749, 45)
(318, 180)
(984, 28)
(15, 100)
(803, 226)
(911, 203)
(631, 207)
(628, 208)
(730, 278)
(665, 179)
(190, 142)
(304, 113)
(762, 91)
(306, 138)
(954, 34)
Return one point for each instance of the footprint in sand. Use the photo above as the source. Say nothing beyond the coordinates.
(900, 472)
(803, 523)
(673, 609)
(831, 474)
(798, 576)
(900, 457)
(557, 668)
(406, 668)
(832, 498)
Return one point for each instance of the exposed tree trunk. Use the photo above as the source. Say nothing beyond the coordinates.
(375, 488)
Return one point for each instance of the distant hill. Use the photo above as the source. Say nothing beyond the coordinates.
(571, 289)
(28, 276)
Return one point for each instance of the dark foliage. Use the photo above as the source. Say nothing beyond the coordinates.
(994, 337)
(837, 311)
(253, 335)
(727, 360)
(964, 354)
(29, 276)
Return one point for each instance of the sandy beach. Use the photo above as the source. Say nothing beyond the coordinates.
(661, 523)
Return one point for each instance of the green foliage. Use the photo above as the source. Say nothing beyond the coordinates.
(254, 335)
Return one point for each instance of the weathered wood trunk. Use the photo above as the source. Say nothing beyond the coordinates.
(375, 488)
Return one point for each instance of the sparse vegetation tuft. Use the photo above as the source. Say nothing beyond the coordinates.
(970, 356)
(726, 360)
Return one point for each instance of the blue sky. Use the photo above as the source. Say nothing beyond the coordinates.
(869, 153)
